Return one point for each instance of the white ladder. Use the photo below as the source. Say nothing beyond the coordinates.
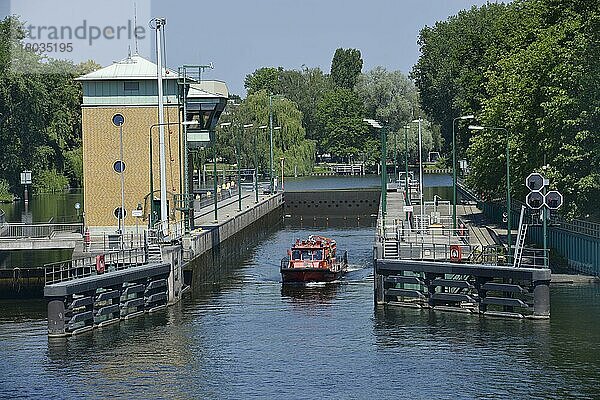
(520, 240)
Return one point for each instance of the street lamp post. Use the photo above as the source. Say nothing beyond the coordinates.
(271, 129)
(282, 176)
(508, 205)
(239, 174)
(272, 173)
(215, 178)
(256, 164)
(395, 156)
(162, 177)
(464, 117)
(420, 174)
(406, 127)
(383, 138)
(271, 143)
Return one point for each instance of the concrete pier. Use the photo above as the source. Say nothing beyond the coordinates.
(420, 261)
(82, 296)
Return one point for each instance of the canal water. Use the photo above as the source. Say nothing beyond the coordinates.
(240, 334)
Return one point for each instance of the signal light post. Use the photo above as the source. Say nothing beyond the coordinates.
(538, 198)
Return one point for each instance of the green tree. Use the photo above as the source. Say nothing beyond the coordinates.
(340, 114)
(346, 67)
(531, 67)
(289, 142)
(266, 78)
(40, 116)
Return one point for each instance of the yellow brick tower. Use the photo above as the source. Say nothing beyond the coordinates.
(120, 111)
(127, 88)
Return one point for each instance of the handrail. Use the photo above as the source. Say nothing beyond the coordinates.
(87, 266)
(20, 230)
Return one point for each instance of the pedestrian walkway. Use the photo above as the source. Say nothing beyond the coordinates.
(205, 216)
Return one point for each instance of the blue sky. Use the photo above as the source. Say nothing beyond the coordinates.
(239, 36)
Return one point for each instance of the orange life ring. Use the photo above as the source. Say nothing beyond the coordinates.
(100, 265)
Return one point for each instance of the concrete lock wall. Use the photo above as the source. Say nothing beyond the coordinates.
(332, 202)
(212, 235)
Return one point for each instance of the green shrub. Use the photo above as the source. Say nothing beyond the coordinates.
(5, 194)
(74, 166)
(49, 181)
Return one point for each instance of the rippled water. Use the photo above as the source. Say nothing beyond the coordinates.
(241, 335)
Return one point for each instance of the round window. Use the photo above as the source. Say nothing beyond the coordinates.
(117, 213)
(119, 166)
(118, 119)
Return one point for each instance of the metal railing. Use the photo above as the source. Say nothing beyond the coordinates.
(425, 233)
(422, 251)
(576, 226)
(106, 242)
(206, 200)
(16, 230)
(347, 169)
(87, 266)
(2, 217)
(533, 257)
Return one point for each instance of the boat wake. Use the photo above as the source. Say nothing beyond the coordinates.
(355, 267)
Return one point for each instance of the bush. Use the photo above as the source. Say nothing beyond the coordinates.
(5, 194)
(49, 181)
(74, 166)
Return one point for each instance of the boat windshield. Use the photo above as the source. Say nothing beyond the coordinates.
(307, 254)
(318, 254)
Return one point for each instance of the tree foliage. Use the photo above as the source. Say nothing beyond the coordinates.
(340, 114)
(531, 67)
(289, 142)
(305, 88)
(40, 116)
(346, 66)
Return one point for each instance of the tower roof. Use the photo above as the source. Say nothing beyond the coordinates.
(132, 67)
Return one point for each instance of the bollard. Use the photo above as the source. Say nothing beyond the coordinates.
(541, 299)
(56, 317)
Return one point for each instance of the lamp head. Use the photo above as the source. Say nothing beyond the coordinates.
(470, 116)
(476, 128)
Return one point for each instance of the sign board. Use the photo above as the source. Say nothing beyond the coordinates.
(408, 208)
(535, 200)
(26, 178)
(553, 199)
(137, 213)
(455, 253)
(535, 182)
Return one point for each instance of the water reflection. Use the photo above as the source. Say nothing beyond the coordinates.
(312, 294)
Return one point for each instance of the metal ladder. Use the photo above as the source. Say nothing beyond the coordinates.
(520, 240)
(390, 249)
(153, 248)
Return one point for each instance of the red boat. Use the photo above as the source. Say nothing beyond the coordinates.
(313, 260)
